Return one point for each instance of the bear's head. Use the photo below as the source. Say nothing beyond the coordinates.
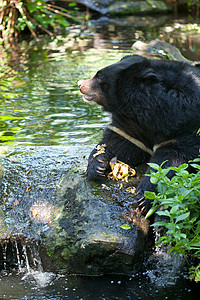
(112, 86)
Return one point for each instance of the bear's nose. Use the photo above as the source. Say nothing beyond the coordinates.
(80, 82)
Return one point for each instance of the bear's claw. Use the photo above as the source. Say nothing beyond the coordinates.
(143, 203)
(97, 168)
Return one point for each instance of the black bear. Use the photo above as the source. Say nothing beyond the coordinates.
(155, 109)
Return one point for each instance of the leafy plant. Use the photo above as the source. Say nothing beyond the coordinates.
(178, 203)
(16, 16)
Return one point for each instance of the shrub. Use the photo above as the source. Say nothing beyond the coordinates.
(178, 202)
(16, 16)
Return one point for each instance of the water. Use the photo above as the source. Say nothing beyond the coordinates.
(41, 105)
(44, 106)
(89, 288)
(30, 282)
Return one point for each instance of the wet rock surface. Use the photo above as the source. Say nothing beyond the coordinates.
(117, 7)
(97, 5)
(47, 200)
(161, 50)
(139, 7)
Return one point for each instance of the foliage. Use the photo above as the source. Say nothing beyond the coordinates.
(188, 2)
(126, 227)
(192, 2)
(178, 204)
(16, 16)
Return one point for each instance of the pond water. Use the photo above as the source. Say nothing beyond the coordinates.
(90, 288)
(41, 105)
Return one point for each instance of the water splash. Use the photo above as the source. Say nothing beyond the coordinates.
(163, 268)
(25, 260)
(4, 250)
(40, 277)
(19, 262)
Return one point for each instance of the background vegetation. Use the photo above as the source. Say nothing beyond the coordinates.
(33, 16)
(177, 203)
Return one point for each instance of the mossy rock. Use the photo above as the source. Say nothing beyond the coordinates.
(47, 200)
(139, 7)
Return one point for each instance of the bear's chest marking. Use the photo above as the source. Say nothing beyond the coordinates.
(138, 143)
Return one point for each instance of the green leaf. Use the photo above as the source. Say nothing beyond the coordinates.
(150, 195)
(165, 171)
(160, 223)
(182, 167)
(64, 23)
(174, 209)
(197, 275)
(195, 180)
(126, 227)
(183, 235)
(174, 169)
(31, 7)
(182, 217)
(186, 193)
(154, 180)
(170, 191)
(163, 163)
(196, 159)
(165, 213)
(196, 166)
(154, 166)
(162, 187)
(72, 4)
(152, 210)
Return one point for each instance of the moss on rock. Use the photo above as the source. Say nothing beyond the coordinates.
(139, 7)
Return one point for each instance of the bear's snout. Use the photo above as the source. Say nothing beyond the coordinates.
(85, 86)
(80, 82)
(91, 91)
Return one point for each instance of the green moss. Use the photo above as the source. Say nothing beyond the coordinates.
(135, 7)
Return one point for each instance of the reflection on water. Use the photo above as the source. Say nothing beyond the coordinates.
(45, 106)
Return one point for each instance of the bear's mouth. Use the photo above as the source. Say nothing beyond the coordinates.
(89, 98)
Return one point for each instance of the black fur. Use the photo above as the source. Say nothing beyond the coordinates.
(153, 101)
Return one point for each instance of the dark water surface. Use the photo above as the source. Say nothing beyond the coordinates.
(41, 105)
(110, 287)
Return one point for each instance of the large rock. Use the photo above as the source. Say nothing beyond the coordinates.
(100, 6)
(160, 50)
(117, 7)
(139, 7)
(47, 200)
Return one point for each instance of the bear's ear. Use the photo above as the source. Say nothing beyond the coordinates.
(150, 75)
(140, 69)
(147, 73)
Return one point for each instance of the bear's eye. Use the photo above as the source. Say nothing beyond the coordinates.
(102, 81)
(103, 85)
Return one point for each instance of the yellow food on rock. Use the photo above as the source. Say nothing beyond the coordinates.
(120, 171)
(100, 150)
